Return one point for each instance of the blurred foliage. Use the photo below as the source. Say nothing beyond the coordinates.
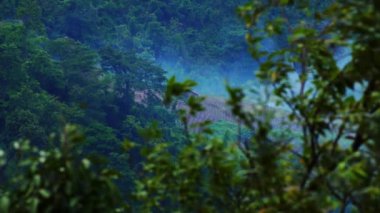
(331, 165)
(332, 103)
(59, 180)
(332, 97)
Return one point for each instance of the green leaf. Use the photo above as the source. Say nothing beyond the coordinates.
(44, 193)
(86, 163)
(4, 204)
(127, 145)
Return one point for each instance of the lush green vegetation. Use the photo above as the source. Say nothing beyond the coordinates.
(95, 64)
(180, 35)
(50, 77)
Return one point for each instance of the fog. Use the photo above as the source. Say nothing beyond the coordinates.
(213, 78)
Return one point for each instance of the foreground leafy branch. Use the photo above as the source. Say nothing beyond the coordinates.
(331, 164)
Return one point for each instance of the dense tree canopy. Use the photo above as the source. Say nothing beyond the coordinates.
(92, 63)
(51, 74)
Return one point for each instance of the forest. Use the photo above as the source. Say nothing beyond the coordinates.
(189, 106)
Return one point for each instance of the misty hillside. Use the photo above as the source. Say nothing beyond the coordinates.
(225, 106)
